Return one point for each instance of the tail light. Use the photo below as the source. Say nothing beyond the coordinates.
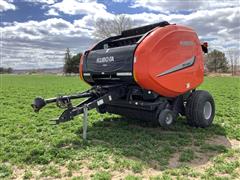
(205, 44)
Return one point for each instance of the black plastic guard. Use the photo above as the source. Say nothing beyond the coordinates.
(114, 64)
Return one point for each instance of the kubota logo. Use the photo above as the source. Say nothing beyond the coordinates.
(106, 59)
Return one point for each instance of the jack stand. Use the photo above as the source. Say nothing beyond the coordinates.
(85, 122)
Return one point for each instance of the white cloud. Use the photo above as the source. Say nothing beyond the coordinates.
(165, 6)
(41, 44)
(5, 5)
(220, 27)
(52, 12)
(91, 9)
(120, 1)
(40, 1)
(84, 7)
(30, 57)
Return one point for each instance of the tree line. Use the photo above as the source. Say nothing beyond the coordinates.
(217, 62)
(71, 64)
(6, 70)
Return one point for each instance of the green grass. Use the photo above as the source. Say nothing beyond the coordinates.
(5, 171)
(114, 145)
(27, 174)
(187, 155)
(132, 177)
(102, 175)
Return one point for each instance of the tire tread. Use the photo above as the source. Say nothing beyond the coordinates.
(193, 106)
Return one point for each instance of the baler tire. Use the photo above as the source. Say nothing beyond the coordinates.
(200, 109)
(164, 116)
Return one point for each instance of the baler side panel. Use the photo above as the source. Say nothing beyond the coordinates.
(164, 49)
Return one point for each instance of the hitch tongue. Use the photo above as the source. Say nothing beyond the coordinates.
(38, 104)
(94, 100)
(61, 101)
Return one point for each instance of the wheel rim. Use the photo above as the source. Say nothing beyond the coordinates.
(207, 110)
(169, 119)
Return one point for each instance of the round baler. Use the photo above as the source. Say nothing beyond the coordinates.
(149, 73)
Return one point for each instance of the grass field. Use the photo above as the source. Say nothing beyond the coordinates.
(117, 148)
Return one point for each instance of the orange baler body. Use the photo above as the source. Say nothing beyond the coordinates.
(169, 61)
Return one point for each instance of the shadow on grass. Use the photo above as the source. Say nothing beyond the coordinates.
(155, 147)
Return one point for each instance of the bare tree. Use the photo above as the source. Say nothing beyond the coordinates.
(108, 27)
(233, 55)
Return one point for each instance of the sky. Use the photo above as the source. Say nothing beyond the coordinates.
(36, 33)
